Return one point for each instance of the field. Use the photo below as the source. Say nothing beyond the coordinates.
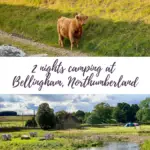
(73, 139)
(13, 121)
(70, 139)
(114, 28)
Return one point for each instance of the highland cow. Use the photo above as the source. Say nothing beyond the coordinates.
(70, 28)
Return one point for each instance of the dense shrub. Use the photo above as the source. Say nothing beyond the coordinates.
(31, 123)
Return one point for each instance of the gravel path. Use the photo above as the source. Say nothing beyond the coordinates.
(58, 51)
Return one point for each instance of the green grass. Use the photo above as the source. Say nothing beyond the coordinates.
(110, 130)
(13, 124)
(114, 28)
(146, 145)
(66, 143)
(67, 139)
(27, 48)
(33, 144)
(14, 118)
(13, 121)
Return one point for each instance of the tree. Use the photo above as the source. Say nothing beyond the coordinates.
(125, 113)
(119, 115)
(126, 109)
(31, 123)
(101, 114)
(80, 115)
(134, 109)
(93, 119)
(45, 117)
(60, 115)
(145, 103)
(87, 114)
(143, 114)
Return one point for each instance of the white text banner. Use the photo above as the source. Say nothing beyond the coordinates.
(74, 75)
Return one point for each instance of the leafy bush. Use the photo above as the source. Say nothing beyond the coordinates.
(31, 123)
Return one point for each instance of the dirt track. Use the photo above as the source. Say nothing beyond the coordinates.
(57, 51)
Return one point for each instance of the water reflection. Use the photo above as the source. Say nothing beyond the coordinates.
(116, 146)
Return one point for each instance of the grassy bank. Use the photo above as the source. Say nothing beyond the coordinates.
(56, 144)
(146, 145)
(114, 28)
(73, 139)
(60, 142)
(29, 49)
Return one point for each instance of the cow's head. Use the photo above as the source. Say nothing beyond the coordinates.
(82, 19)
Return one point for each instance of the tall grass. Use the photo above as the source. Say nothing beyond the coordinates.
(114, 28)
(69, 139)
(146, 145)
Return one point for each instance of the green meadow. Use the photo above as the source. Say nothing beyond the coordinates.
(114, 27)
(14, 118)
(13, 121)
(72, 139)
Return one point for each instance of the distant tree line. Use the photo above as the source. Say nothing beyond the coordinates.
(122, 113)
(102, 113)
(8, 113)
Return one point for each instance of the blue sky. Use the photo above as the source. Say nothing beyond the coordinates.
(27, 103)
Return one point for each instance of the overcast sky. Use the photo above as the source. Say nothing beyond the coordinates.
(27, 103)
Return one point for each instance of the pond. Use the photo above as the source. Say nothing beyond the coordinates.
(115, 146)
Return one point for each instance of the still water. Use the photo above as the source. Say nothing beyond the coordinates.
(115, 146)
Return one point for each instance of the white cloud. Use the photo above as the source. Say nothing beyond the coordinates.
(27, 103)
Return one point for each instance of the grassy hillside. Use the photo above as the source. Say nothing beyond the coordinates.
(114, 28)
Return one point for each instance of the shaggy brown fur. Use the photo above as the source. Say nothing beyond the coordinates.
(70, 28)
